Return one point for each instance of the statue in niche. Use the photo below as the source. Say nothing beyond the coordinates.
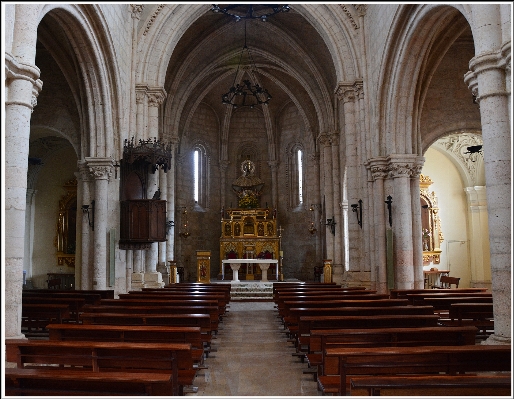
(248, 187)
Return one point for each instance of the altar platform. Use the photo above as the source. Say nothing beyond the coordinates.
(251, 291)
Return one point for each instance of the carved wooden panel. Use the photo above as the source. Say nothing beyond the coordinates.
(142, 221)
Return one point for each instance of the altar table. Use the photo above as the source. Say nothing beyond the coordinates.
(235, 264)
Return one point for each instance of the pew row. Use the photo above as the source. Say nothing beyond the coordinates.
(343, 363)
(434, 385)
(105, 357)
(59, 382)
(149, 334)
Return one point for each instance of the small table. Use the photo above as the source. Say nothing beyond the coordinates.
(235, 264)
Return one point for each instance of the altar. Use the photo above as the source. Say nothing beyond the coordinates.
(235, 264)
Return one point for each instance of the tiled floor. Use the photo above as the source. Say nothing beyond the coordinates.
(253, 357)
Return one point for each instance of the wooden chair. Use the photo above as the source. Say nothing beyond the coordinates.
(447, 281)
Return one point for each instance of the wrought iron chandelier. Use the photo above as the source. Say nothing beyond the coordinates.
(250, 11)
(246, 94)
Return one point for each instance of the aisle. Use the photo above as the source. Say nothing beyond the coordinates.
(253, 357)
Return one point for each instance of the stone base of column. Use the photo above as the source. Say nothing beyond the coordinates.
(352, 279)
(496, 340)
(153, 280)
(165, 272)
(137, 281)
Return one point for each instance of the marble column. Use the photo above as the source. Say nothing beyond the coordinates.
(22, 86)
(101, 171)
(487, 80)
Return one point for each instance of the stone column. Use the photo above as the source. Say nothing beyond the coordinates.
(337, 265)
(346, 95)
(162, 266)
(170, 204)
(379, 171)
(85, 251)
(101, 171)
(156, 96)
(402, 168)
(29, 234)
(22, 86)
(487, 80)
(479, 245)
(326, 173)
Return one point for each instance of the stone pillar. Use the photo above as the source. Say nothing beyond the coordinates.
(29, 235)
(130, 268)
(487, 80)
(337, 265)
(402, 168)
(379, 170)
(85, 251)
(326, 173)
(346, 95)
(170, 211)
(101, 171)
(22, 86)
(479, 244)
(138, 276)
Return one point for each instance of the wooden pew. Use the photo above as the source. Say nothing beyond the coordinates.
(341, 364)
(75, 304)
(222, 302)
(103, 332)
(182, 320)
(212, 311)
(283, 311)
(104, 294)
(35, 317)
(105, 357)
(442, 304)
(418, 298)
(88, 297)
(60, 382)
(320, 340)
(401, 293)
(434, 385)
(479, 315)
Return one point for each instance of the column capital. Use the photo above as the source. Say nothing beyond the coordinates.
(405, 165)
(379, 167)
(15, 70)
(328, 139)
(156, 96)
(273, 164)
(345, 92)
(100, 168)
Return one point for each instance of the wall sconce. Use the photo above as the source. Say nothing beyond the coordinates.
(185, 224)
(388, 202)
(357, 208)
(169, 225)
(90, 217)
(312, 229)
(332, 224)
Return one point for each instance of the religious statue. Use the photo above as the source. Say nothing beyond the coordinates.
(248, 187)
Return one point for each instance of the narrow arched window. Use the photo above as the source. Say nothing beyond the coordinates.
(200, 175)
(300, 176)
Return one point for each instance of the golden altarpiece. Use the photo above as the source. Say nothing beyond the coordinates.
(248, 232)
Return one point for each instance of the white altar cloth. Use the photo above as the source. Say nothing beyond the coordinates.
(235, 264)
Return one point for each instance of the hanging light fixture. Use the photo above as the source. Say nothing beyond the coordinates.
(246, 94)
(250, 11)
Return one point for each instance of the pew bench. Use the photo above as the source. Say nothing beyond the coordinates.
(479, 315)
(341, 364)
(69, 382)
(434, 385)
(103, 332)
(105, 357)
(320, 340)
(75, 304)
(293, 321)
(36, 316)
(213, 311)
(401, 293)
(201, 320)
(104, 294)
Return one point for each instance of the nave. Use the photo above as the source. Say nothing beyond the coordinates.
(253, 357)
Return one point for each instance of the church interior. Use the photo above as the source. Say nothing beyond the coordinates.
(361, 145)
